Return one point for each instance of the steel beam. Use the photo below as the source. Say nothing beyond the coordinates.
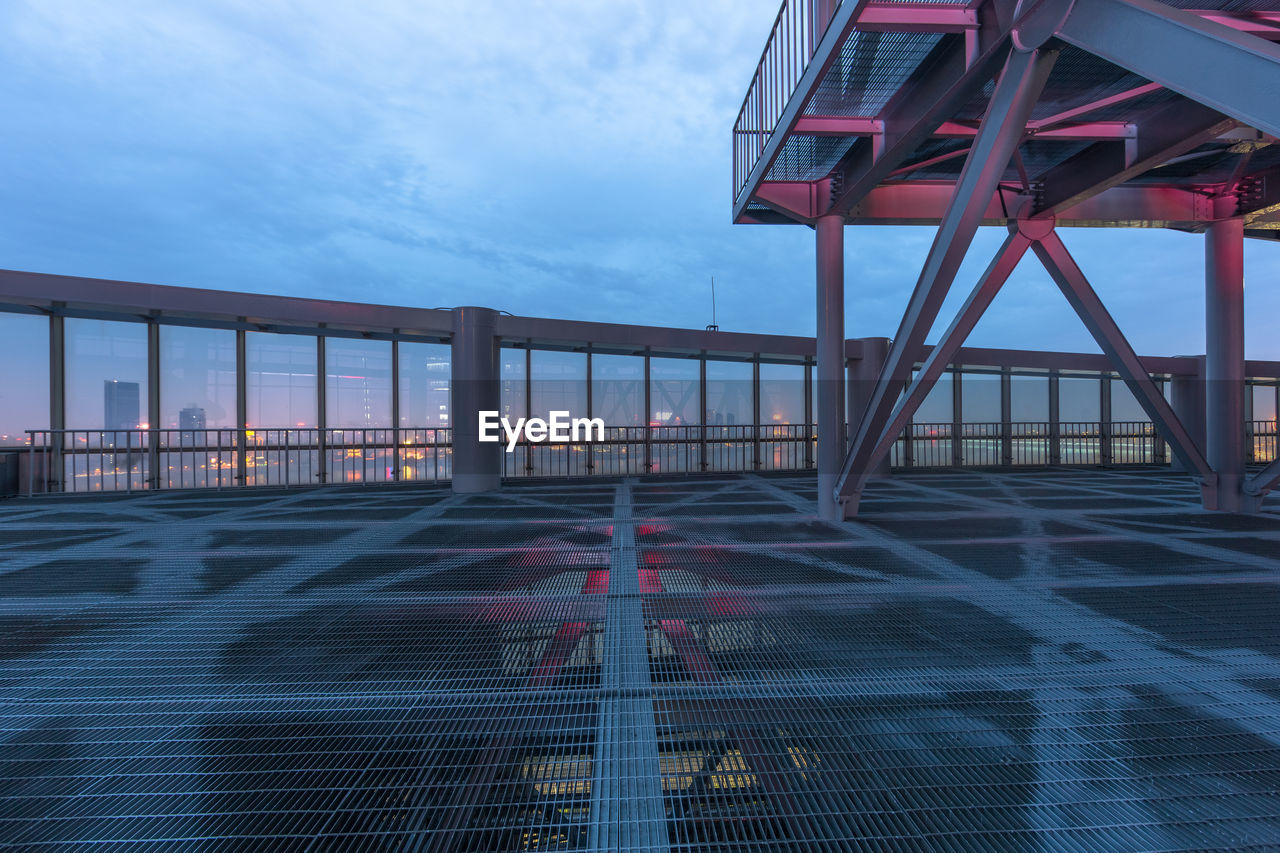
(1015, 95)
(1232, 72)
(829, 389)
(871, 448)
(943, 83)
(1163, 134)
(1075, 287)
(1265, 480)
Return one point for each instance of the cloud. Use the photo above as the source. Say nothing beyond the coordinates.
(565, 159)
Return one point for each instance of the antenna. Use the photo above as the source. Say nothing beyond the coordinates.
(713, 327)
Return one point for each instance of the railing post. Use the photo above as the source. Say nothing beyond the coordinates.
(322, 381)
(591, 405)
(702, 412)
(1006, 415)
(153, 404)
(395, 410)
(1055, 424)
(648, 413)
(242, 409)
(54, 463)
(755, 412)
(957, 415)
(528, 403)
(808, 413)
(1106, 453)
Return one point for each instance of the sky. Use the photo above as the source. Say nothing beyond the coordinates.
(566, 159)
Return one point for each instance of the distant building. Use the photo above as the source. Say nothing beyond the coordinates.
(121, 405)
(193, 417)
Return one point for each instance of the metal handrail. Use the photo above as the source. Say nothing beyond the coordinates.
(797, 30)
(63, 460)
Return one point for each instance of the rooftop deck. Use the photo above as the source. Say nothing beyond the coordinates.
(1056, 659)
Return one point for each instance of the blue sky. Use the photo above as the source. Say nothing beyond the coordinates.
(562, 159)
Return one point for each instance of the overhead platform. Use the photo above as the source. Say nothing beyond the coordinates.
(1033, 115)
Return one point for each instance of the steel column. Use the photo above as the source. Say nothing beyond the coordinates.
(474, 385)
(1224, 362)
(829, 388)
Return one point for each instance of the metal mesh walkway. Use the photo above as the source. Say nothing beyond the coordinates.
(1048, 660)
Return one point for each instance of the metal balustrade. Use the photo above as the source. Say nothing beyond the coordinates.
(797, 30)
(146, 459)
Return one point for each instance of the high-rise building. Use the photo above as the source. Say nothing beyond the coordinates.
(121, 404)
(192, 417)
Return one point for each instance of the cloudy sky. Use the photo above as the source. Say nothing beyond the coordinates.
(547, 158)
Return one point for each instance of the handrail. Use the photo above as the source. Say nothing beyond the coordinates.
(797, 30)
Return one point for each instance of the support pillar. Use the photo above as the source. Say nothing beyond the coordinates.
(829, 387)
(474, 386)
(863, 375)
(1224, 364)
(1186, 395)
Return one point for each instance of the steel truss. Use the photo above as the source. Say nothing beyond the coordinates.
(1030, 217)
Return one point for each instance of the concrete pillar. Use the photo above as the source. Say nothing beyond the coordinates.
(1186, 396)
(863, 375)
(474, 386)
(829, 387)
(1224, 361)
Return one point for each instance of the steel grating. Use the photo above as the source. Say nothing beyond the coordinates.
(1056, 660)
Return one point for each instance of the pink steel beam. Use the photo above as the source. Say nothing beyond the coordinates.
(867, 456)
(820, 125)
(1230, 71)
(1066, 274)
(1015, 95)
(1093, 106)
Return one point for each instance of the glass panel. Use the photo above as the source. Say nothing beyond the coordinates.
(980, 398)
(559, 383)
(1029, 399)
(673, 395)
(24, 388)
(197, 378)
(1124, 406)
(281, 377)
(424, 385)
(1078, 399)
(729, 393)
(514, 381)
(357, 383)
(936, 408)
(782, 393)
(1264, 403)
(106, 374)
(617, 389)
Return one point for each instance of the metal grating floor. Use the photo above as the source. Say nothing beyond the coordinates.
(1045, 660)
